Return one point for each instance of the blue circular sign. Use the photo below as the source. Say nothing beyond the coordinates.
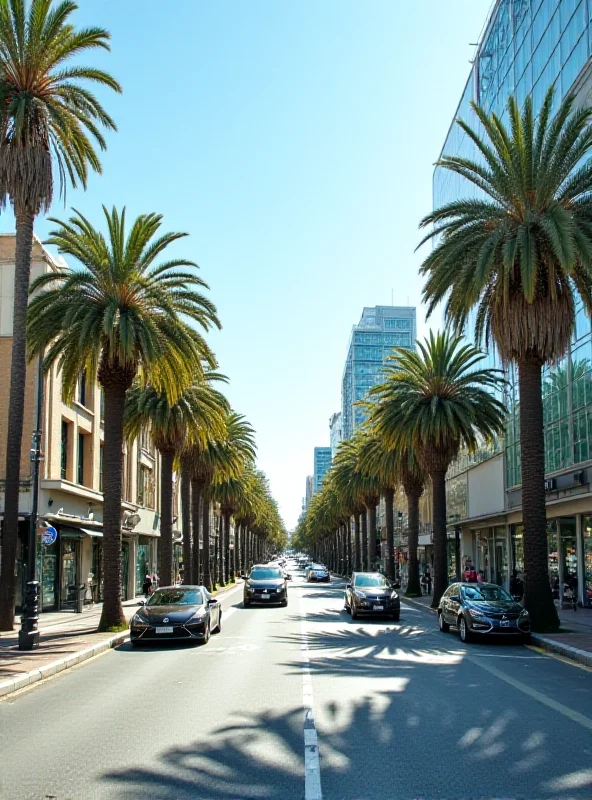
(49, 535)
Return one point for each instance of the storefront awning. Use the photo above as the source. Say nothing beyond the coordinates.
(92, 533)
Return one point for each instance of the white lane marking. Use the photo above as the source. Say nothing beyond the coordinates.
(312, 764)
(228, 613)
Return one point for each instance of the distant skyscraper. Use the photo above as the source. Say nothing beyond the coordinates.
(335, 432)
(322, 463)
(309, 492)
(372, 340)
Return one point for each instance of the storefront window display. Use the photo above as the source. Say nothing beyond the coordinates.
(142, 566)
(587, 552)
(47, 564)
(500, 547)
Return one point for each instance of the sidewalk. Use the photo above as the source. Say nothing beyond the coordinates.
(66, 639)
(574, 641)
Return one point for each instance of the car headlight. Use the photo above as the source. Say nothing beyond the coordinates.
(524, 613)
(198, 616)
(394, 595)
(359, 593)
(138, 619)
(476, 614)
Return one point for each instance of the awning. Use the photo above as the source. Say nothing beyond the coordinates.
(92, 533)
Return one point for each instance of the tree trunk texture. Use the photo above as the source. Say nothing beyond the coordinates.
(16, 411)
(196, 493)
(205, 522)
(364, 516)
(538, 599)
(389, 496)
(371, 511)
(229, 574)
(221, 551)
(112, 614)
(349, 546)
(439, 535)
(413, 585)
(357, 542)
(167, 577)
(186, 521)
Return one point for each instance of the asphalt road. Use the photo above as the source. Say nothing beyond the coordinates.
(398, 710)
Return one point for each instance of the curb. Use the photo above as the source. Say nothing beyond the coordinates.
(559, 648)
(14, 684)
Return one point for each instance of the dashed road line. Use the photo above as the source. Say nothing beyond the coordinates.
(312, 764)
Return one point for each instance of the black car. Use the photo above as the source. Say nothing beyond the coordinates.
(371, 593)
(482, 608)
(319, 573)
(177, 613)
(266, 584)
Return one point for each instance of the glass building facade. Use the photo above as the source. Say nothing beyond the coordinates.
(380, 329)
(527, 47)
(322, 464)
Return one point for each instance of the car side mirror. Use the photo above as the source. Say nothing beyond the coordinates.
(243, 576)
(212, 601)
(396, 585)
(142, 603)
(348, 585)
(288, 577)
(454, 597)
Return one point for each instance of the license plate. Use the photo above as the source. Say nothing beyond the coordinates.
(379, 608)
(167, 629)
(265, 597)
(505, 623)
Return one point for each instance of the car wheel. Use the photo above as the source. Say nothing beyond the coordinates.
(397, 616)
(353, 612)
(206, 637)
(444, 626)
(465, 633)
(135, 643)
(218, 627)
(246, 603)
(285, 602)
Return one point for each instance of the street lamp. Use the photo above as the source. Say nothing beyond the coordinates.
(28, 636)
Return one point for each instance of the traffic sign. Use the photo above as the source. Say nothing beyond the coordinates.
(48, 534)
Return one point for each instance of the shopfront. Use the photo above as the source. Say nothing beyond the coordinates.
(587, 560)
(143, 562)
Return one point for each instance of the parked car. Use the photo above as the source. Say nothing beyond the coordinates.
(177, 613)
(266, 584)
(483, 609)
(371, 593)
(317, 572)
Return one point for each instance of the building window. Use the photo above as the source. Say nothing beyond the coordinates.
(390, 323)
(101, 455)
(64, 457)
(145, 487)
(80, 474)
(82, 388)
(102, 404)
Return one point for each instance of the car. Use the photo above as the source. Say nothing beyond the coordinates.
(482, 609)
(317, 572)
(371, 593)
(177, 613)
(266, 584)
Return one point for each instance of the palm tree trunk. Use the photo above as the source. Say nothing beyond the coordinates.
(348, 565)
(221, 550)
(205, 521)
(371, 512)
(238, 550)
(389, 496)
(230, 554)
(364, 516)
(413, 587)
(166, 517)
(538, 599)
(112, 616)
(186, 520)
(439, 535)
(16, 413)
(196, 493)
(357, 542)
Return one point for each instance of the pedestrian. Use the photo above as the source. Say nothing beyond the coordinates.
(428, 577)
(147, 586)
(480, 577)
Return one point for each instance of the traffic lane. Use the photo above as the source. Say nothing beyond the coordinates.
(222, 721)
(403, 710)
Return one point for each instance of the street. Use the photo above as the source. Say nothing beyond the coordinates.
(400, 710)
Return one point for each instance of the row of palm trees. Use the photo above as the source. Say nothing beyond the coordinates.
(128, 315)
(510, 261)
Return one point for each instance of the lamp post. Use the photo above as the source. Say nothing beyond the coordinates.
(28, 636)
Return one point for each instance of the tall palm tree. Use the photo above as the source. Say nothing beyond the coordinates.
(48, 118)
(520, 255)
(120, 315)
(192, 418)
(432, 402)
(346, 478)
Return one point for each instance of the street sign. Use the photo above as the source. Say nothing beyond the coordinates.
(48, 534)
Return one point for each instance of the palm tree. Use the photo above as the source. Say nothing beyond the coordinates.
(47, 118)
(431, 403)
(346, 478)
(120, 316)
(521, 254)
(394, 466)
(195, 416)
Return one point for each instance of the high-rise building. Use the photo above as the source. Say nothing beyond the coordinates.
(335, 432)
(309, 492)
(322, 464)
(528, 46)
(372, 340)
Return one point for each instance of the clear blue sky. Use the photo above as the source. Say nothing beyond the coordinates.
(294, 141)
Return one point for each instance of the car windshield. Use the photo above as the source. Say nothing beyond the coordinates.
(318, 567)
(176, 597)
(371, 580)
(265, 574)
(485, 593)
